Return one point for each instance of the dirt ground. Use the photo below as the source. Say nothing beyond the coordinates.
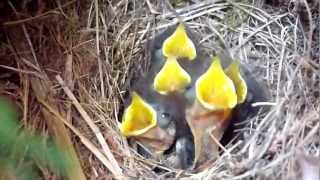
(67, 66)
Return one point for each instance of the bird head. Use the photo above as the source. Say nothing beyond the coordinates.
(214, 89)
(139, 121)
(217, 93)
(138, 118)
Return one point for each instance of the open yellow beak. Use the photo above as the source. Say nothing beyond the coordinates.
(233, 72)
(179, 44)
(138, 118)
(217, 94)
(140, 121)
(214, 89)
(172, 77)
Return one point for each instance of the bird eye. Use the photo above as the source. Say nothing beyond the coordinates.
(165, 115)
(188, 87)
(165, 120)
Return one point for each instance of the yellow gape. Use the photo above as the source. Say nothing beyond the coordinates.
(172, 77)
(214, 89)
(138, 118)
(179, 45)
(233, 72)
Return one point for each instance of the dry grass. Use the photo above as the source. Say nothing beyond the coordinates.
(71, 63)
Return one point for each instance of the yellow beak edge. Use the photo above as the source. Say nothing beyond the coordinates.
(179, 44)
(214, 89)
(138, 118)
(172, 77)
(233, 72)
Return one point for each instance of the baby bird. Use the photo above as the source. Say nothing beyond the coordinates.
(208, 117)
(149, 124)
(222, 95)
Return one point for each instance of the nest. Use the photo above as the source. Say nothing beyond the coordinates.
(67, 65)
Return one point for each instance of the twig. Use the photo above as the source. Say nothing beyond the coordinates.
(218, 143)
(84, 140)
(68, 76)
(257, 31)
(247, 12)
(282, 57)
(96, 7)
(152, 10)
(91, 124)
(310, 33)
(38, 16)
(23, 71)
(185, 19)
(256, 104)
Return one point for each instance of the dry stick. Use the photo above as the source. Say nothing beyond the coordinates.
(309, 136)
(190, 8)
(265, 14)
(175, 20)
(257, 104)
(270, 165)
(272, 132)
(310, 33)
(199, 175)
(84, 140)
(30, 44)
(152, 10)
(219, 144)
(125, 143)
(258, 30)
(211, 27)
(91, 124)
(31, 65)
(68, 75)
(282, 57)
(60, 132)
(246, 11)
(23, 71)
(38, 16)
(96, 6)
(61, 135)
(89, 19)
(258, 129)
(25, 99)
(201, 9)
(109, 67)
